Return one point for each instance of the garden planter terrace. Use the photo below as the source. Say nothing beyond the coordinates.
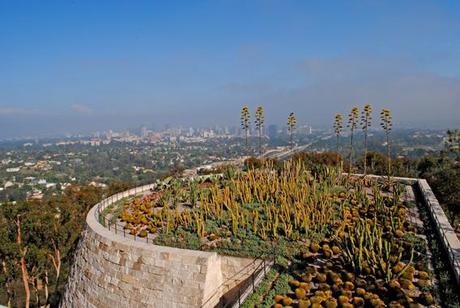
(116, 269)
(111, 270)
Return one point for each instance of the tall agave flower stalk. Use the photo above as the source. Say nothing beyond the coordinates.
(291, 124)
(366, 118)
(352, 123)
(245, 123)
(259, 122)
(338, 127)
(386, 122)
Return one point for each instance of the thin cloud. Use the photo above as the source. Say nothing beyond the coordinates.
(14, 111)
(324, 86)
(82, 109)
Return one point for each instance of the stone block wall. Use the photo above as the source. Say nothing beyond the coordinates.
(113, 271)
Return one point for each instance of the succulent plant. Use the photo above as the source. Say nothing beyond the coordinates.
(331, 303)
(423, 275)
(343, 299)
(423, 283)
(317, 299)
(320, 277)
(360, 291)
(407, 284)
(278, 298)
(307, 277)
(294, 283)
(427, 298)
(358, 301)
(314, 247)
(304, 304)
(287, 301)
(300, 293)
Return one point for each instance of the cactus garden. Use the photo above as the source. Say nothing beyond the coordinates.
(344, 241)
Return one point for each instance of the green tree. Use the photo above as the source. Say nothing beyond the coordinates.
(259, 122)
(452, 142)
(16, 221)
(291, 124)
(352, 123)
(37, 240)
(8, 260)
(386, 122)
(366, 118)
(245, 122)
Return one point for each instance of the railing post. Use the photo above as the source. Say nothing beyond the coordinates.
(239, 297)
(265, 270)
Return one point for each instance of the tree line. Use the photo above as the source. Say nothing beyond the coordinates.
(37, 243)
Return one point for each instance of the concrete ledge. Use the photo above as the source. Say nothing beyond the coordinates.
(445, 231)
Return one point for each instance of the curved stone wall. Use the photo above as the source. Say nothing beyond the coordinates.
(113, 271)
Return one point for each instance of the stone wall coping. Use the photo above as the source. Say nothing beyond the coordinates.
(99, 229)
(404, 180)
(448, 237)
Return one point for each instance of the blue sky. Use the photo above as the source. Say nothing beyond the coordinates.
(69, 66)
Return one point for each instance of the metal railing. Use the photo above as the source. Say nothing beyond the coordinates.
(113, 225)
(245, 291)
(254, 279)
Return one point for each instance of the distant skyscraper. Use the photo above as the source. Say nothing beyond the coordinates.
(144, 131)
(233, 130)
(272, 131)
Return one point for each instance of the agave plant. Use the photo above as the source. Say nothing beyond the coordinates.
(291, 124)
(338, 127)
(386, 122)
(245, 122)
(352, 123)
(366, 118)
(259, 122)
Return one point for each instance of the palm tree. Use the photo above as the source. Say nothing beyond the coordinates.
(245, 122)
(386, 122)
(352, 122)
(259, 121)
(291, 123)
(366, 118)
(338, 126)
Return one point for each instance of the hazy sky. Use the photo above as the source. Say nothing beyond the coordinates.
(68, 66)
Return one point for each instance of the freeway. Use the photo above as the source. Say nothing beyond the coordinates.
(284, 153)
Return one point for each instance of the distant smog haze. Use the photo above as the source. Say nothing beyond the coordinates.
(84, 66)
